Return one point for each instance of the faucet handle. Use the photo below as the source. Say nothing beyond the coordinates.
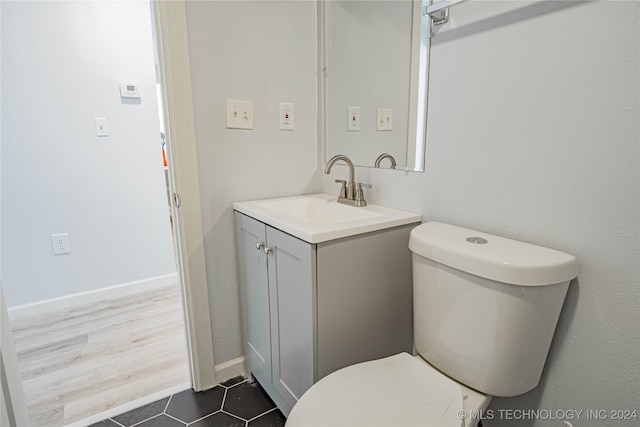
(343, 189)
(360, 201)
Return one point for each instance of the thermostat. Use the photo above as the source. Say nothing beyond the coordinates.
(129, 90)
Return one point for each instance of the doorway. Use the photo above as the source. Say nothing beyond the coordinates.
(62, 176)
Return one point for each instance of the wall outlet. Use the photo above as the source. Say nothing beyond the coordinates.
(353, 119)
(286, 116)
(60, 244)
(239, 114)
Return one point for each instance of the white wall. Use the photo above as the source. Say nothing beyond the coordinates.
(62, 63)
(533, 134)
(0, 140)
(265, 52)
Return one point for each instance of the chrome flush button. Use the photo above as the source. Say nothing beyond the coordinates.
(477, 240)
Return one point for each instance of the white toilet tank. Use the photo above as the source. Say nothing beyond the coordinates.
(486, 307)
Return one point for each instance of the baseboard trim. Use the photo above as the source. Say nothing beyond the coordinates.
(231, 369)
(89, 297)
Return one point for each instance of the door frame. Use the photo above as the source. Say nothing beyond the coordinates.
(170, 21)
(13, 408)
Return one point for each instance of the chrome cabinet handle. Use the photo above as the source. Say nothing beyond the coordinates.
(260, 245)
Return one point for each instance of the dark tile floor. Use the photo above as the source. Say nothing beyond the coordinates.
(234, 403)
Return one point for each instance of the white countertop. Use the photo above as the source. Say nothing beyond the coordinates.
(318, 218)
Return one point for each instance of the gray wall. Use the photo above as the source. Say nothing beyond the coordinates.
(62, 63)
(265, 52)
(533, 134)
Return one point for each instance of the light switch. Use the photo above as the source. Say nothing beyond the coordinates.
(102, 126)
(384, 119)
(239, 114)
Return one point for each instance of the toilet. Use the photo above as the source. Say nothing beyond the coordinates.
(485, 310)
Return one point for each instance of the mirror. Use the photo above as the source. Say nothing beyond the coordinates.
(375, 74)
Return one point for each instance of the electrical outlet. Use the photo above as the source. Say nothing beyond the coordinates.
(286, 116)
(239, 114)
(60, 243)
(353, 119)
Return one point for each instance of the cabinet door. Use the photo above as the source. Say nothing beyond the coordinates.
(254, 289)
(292, 290)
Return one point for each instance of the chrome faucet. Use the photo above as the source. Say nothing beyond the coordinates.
(382, 156)
(348, 194)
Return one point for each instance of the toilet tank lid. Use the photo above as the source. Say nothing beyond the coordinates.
(492, 257)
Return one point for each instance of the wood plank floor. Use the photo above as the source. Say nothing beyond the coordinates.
(82, 361)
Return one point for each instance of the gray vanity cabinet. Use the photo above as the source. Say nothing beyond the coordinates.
(311, 309)
(277, 295)
(256, 323)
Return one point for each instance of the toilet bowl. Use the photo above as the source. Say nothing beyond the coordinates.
(485, 311)
(399, 390)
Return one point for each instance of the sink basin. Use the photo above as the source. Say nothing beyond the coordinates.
(316, 210)
(317, 218)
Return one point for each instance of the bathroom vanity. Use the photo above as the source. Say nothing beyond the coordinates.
(323, 286)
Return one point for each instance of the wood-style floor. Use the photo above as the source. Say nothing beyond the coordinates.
(85, 360)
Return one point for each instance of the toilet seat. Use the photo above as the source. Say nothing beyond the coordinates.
(395, 391)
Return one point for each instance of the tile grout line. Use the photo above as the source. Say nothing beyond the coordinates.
(179, 420)
(246, 422)
(221, 410)
(144, 421)
(167, 405)
(224, 398)
(203, 418)
(215, 412)
(264, 413)
(150, 418)
(164, 411)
